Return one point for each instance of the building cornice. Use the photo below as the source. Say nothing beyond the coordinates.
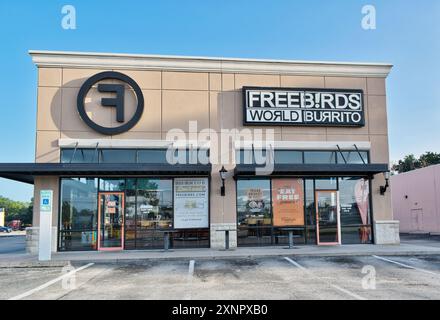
(63, 59)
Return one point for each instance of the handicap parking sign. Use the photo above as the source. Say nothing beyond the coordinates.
(46, 200)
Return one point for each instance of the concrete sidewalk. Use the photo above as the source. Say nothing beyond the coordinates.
(407, 248)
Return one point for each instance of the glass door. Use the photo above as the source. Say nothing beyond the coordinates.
(111, 221)
(327, 217)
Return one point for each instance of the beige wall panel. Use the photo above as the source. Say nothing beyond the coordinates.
(346, 83)
(302, 82)
(184, 81)
(216, 200)
(180, 107)
(49, 77)
(49, 108)
(215, 82)
(83, 135)
(382, 209)
(228, 81)
(138, 135)
(377, 114)
(70, 119)
(303, 130)
(376, 86)
(214, 115)
(46, 183)
(144, 78)
(347, 137)
(226, 109)
(379, 149)
(258, 80)
(47, 149)
(74, 78)
(302, 137)
(152, 116)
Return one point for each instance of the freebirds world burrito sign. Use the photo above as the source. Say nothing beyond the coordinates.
(303, 107)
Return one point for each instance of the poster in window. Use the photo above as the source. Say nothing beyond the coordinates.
(255, 202)
(288, 202)
(191, 203)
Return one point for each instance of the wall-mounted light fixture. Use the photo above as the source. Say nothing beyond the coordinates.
(384, 188)
(223, 173)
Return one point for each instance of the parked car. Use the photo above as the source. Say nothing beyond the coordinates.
(5, 229)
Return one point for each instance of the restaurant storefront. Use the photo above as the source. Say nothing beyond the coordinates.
(120, 165)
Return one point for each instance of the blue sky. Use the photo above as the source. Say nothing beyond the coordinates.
(407, 35)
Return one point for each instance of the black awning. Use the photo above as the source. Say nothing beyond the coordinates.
(25, 172)
(314, 169)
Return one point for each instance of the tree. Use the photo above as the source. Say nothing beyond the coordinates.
(429, 159)
(17, 210)
(410, 162)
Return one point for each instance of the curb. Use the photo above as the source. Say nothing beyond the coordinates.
(251, 256)
(64, 262)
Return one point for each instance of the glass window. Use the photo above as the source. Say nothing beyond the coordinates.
(320, 157)
(79, 156)
(78, 221)
(353, 157)
(326, 184)
(310, 211)
(154, 204)
(152, 156)
(244, 157)
(130, 214)
(354, 198)
(287, 156)
(254, 212)
(117, 156)
(111, 184)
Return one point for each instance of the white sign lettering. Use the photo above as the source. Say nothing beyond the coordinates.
(326, 107)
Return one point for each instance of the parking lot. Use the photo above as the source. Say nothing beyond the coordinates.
(364, 277)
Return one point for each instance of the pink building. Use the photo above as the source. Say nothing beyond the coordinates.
(416, 200)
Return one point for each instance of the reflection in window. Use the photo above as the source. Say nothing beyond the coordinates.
(79, 156)
(130, 214)
(254, 212)
(152, 156)
(354, 198)
(111, 184)
(117, 156)
(353, 157)
(287, 156)
(326, 184)
(78, 221)
(320, 157)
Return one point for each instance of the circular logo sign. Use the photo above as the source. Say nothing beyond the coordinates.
(117, 102)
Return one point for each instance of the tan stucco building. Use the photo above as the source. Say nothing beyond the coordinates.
(116, 190)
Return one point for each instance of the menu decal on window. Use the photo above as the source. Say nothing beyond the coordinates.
(191, 203)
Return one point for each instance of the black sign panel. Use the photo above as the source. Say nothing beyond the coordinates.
(117, 102)
(303, 107)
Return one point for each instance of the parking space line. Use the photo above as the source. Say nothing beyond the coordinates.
(348, 292)
(405, 265)
(191, 269)
(49, 283)
(190, 279)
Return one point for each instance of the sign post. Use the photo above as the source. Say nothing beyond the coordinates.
(45, 237)
(2, 217)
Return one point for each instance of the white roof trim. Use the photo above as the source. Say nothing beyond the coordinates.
(206, 64)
